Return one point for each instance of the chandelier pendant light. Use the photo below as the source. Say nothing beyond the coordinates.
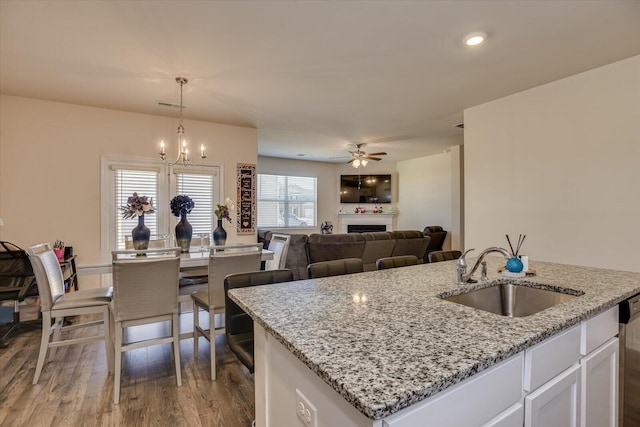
(183, 150)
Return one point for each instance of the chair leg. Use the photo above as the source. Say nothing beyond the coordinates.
(58, 323)
(196, 326)
(118, 363)
(212, 341)
(176, 348)
(108, 344)
(44, 344)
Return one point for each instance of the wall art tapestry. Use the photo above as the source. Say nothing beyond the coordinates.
(246, 198)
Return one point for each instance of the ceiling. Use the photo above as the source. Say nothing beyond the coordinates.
(314, 77)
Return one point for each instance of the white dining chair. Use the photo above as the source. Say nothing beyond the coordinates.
(57, 305)
(279, 245)
(145, 290)
(222, 262)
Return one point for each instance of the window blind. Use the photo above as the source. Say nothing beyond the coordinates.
(200, 187)
(286, 201)
(126, 182)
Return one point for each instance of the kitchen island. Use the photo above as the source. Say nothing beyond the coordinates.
(370, 348)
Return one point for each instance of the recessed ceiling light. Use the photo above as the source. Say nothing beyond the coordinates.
(475, 39)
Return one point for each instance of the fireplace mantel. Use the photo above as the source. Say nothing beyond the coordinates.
(347, 219)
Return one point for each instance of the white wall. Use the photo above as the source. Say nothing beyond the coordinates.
(50, 165)
(561, 163)
(429, 194)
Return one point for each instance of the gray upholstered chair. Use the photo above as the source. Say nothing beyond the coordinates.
(279, 245)
(396, 261)
(145, 290)
(336, 267)
(438, 256)
(55, 304)
(233, 259)
(238, 324)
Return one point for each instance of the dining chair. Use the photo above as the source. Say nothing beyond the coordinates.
(222, 262)
(279, 245)
(336, 267)
(238, 324)
(145, 290)
(57, 305)
(396, 261)
(439, 256)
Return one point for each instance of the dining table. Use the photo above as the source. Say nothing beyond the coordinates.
(187, 260)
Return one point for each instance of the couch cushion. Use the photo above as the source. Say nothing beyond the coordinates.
(327, 247)
(410, 242)
(378, 245)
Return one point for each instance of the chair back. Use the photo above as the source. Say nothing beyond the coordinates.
(396, 261)
(155, 242)
(279, 245)
(231, 259)
(46, 268)
(336, 267)
(145, 286)
(438, 256)
(238, 324)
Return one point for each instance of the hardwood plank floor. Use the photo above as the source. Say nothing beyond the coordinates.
(77, 390)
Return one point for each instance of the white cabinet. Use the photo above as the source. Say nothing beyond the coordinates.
(556, 403)
(599, 404)
(510, 417)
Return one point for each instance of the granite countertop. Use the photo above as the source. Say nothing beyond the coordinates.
(384, 340)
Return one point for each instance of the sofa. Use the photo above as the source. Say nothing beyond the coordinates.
(304, 250)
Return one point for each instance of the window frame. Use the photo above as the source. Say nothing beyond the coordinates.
(167, 189)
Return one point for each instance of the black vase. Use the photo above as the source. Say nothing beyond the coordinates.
(184, 231)
(219, 235)
(140, 235)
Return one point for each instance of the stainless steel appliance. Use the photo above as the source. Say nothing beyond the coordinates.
(629, 396)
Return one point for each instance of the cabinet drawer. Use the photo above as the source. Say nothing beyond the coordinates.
(598, 330)
(546, 360)
(474, 401)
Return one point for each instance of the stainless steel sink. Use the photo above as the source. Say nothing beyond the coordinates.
(511, 300)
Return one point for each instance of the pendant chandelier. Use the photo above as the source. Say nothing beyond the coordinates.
(183, 150)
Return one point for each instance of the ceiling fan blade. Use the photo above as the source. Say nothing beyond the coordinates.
(382, 153)
(377, 159)
(351, 161)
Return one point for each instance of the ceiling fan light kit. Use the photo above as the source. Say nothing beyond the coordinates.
(360, 158)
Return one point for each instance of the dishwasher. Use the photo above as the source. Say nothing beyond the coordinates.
(629, 334)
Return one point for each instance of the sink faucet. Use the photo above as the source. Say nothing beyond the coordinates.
(462, 277)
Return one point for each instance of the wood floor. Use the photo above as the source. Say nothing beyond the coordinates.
(76, 389)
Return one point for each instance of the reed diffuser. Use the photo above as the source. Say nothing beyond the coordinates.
(514, 265)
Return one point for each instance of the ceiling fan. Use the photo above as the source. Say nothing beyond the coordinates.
(360, 158)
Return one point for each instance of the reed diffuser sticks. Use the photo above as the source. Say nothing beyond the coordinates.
(521, 238)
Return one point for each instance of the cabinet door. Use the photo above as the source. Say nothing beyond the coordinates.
(600, 386)
(556, 403)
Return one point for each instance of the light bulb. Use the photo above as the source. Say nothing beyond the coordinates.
(356, 163)
(364, 162)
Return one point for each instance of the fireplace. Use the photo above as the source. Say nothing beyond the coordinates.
(365, 222)
(365, 228)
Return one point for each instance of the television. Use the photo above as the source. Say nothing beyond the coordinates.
(365, 188)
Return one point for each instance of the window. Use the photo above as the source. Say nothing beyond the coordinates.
(286, 201)
(122, 177)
